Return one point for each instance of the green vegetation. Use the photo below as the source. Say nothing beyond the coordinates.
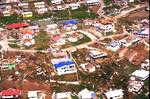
(116, 6)
(14, 46)
(63, 15)
(14, 41)
(109, 33)
(80, 13)
(141, 96)
(85, 39)
(74, 97)
(42, 41)
(10, 20)
(83, 14)
(107, 2)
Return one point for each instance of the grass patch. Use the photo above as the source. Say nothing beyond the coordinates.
(42, 41)
(10, 19)
(85, 39)
(109, 33)
(14, 41)
(14, 46)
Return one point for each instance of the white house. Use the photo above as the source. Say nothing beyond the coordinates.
(141, 74)
(131, 0)
(52, 28)
(109, 27)
(39, 5)
(115, 94)
(42, 10)
(23, 5)
(96, 54)
(6, 13)
(73, 6)
(64, 66)
(63, 95)
(11, 1)
(27, 37)
(92, 2)
(86, 94)
(114, 46)
(35, 28)
(56, 1)
(36, 95)
(135, 86)
(59, 8)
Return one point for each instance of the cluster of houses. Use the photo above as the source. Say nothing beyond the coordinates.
(41, 7)
(87, 94)
(138, 77)
(25, 32)
(60, 38)
(116, 45)
(83, 94)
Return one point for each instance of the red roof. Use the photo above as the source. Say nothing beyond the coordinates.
(16, 25)
(56, 37)
(10, 92)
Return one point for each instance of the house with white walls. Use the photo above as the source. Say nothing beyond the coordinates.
(40, 7)
(56, 1)
(141, 74)
(61, 95)
(27, 37)
(87, 94)
(114, 94)
(64, 66)
(92, 2)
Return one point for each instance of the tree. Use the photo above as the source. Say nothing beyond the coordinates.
(107, 2)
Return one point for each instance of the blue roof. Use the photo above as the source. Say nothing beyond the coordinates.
(113, 44)
(93, 95)
(73, 21)
(64, 63)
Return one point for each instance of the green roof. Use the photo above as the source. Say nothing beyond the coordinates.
(10, 66)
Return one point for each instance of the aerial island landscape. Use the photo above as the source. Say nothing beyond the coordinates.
(74, 49)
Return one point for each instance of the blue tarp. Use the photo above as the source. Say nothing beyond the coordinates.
(73, 22)
(64, 63)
